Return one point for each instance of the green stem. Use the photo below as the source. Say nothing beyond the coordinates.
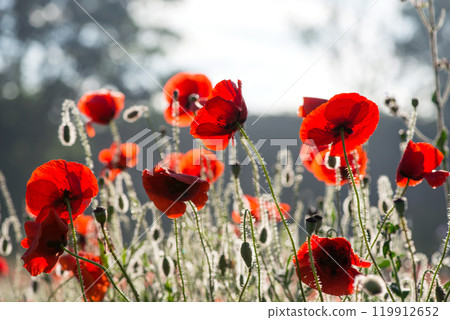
(397, 279)
(256, 257)
(116, 259)
(75, 247)
(411, 251)
(386, 218)
(211, 281)
(338, 211)
(101, 267)
(423, 280)
(245, 285)
(313, 268)
(244, 134)
(180, 269)
(444, 251)
(363, 230)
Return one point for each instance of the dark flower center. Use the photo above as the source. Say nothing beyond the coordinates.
(332, 260)
(55, 245)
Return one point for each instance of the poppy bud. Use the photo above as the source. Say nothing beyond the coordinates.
(236, 169)
(246, 254)
(440, 293)
(5, 246)
(134, 113)
(222, 264)
(166, 266)
(156, 234)
(414, 102)
(263, 235)
(373, 284)
(175, 95)
(100, 215)
(67, 134)
(310, 224)
(101, 182)
(402, 134)
(241, 280)
(34, 285)
(331, 162)
(400, 205)
(122, 204)
(162, 129)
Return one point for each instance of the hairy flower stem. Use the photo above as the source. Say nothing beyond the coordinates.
(361, 224)
(124, 298)
(411, 251)
(244, 134)
(386, 218)
(116, 259)
(245, 285)
(180, 269)
(256, 256)
(75, 247)
(313, 268)
(444, 251)
(200, 234)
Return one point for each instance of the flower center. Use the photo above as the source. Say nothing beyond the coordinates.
(333, 260)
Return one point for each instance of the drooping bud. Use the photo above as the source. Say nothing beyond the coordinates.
(373, 285)
(122, 203)
(166, 266)
(163, 130)
(222, 264)
(247, 254)
(133, 113)
(403, 135)
(67, 134)
(440, 293)
(263, 235)
(401, 205)
(236, 169)
(100, 215)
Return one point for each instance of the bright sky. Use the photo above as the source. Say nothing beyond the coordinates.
(258, 42)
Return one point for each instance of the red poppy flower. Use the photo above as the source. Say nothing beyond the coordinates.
(319, 167)
(192, 90)
(253, 205)
(172, 161)
(44, 239)
(170, 190)
(196, 161)
(217, 122)
(84, 224)
(355, 114)
(95, 281)
(53, 182)
(4, 269)
(101, 107)
(419, 162)
(309, 104)
(126, 157)
(333, 260)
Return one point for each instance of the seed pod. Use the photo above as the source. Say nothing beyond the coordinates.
(414, 102)
(319, 219)
(100, 215)
(310, 224)
(246, 254)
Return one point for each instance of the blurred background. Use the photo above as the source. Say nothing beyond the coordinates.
(282, 50)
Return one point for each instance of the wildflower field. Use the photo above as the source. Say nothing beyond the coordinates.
(84, 234)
